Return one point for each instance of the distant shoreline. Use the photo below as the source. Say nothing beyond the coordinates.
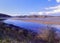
(43, 22)
(48, 21)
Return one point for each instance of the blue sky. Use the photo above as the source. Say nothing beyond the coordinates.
(28, 7)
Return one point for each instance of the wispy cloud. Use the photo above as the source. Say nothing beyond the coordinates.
(49, 11)
(53, 10)
(58, 1)
(54, 7)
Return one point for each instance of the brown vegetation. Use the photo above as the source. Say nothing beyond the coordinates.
(13, 34)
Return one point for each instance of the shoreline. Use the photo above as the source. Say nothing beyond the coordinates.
(54, 22)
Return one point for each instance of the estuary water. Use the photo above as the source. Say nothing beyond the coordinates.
(36, 27)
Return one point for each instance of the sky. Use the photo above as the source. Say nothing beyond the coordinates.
(30, 7)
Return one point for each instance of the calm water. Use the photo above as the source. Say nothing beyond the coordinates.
(31, 25)
(27, 25)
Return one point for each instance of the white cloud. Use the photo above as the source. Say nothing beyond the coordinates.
(14, 14)
(58, 1)
(41, 13)
(53, 10)
(54, 7)
(49, 11)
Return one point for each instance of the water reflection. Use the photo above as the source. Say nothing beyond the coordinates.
(30, 25)
(27, 25)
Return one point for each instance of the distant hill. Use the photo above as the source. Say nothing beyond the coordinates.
(4, 15)
(36, 16)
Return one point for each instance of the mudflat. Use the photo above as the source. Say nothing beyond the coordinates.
(48, 20)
